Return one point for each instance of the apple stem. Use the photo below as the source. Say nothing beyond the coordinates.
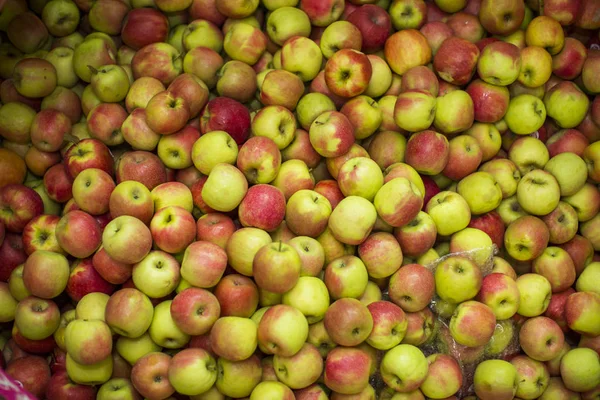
(71, 138)
(279, 245)
(94, 70)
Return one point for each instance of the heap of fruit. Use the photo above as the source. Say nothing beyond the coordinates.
(309, 199)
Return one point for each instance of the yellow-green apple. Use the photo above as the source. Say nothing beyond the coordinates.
(334, 164)
(9, 302)
(311, 254)
(282, 330)
(332, 247)
(206, 70)
(526, 114)
(149, 375)
(418, 236)
(286, 22)
(163, 330)
(39, 234)
(386, 105)
(398, 201)
(167, 113)
(535, 293)
(360, 176)
(117, 388)
(488, 137)
(381, 253)
(143, 26)
(364, 114)
(586, 202)
(528, 153)
(566, 104)
(141, 91)
(239, 378)
(534, 186)
(503, 338)
(456, 60)
(213, 148)
(580, 369)
(488, 195)
(16, 119)
(172, 194)
(310, 106)
(92, 306)
(581, 311)
(510, 210)
(175, 150)
(421, 327)
(499, 63)
(238, 296)
(412, 287)
(225, 187)
(415, 110)
(545, 32)
(442, 368)
(556, 265)
(107, 16)
(126, 239)
(395, 369)
(110, 83)
(244, 42)
(347, 370)
(129, 312)
(446, 203)
(36, 318)
(387, 148)
(590, 155)
(34, 77)
(340, 35)
(490, 102)
(427, 152)
(472, 324)
(516, 88)
(501, 266)
(496, 379)
(505, 173)
(492, 224)
(568, 63)
(79, 234)
(348, 322)
(348, 72)
(95, 51)
(587, 277)
(258, 158)
(457, 279)
(92, 189)
(346, 277)
(45, 274)
(279, 87)
(354, 217)
(310, 296)
(203, 264)
(541, 338)
(556, 387)
(237, 80)
(501, 294)
(307, 213)
(242, 247)
(276, 123)
(156, 275)
(436, 32)
(234, 338)
(88, 341)
(300, 370)
(302, 56)
(406, 49)
(321, 13)
(536, 66)
(192, 371)
(407, 14)
(532, 376)
(131, 198)
(589, 71)
(381, 77)
(389, 325)
(276, 267)
(157, 60)
(48, 129)
(320, 338)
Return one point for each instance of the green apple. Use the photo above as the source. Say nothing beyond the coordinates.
(117, 389)
(238, 378)
(495, 379)
(310, 106)
(503, 336)
(566, 104)
(163, 330)
(37, 318)
(535, 292)
(346, 277)
(243, 245)
(528, 153)
(301, 56)
(282, 330)
(580, 369)
(352, 220)
(381, 79)
(310, 296)
(271, 390)
(156, 275)
(587, 281)
(234, 338)
(192, 371)
(569, 170)
(62, 59)
(225, 187)
(481, 192)
(450, 212)
(300, 370)
(59, 334)
(532, 375)
(526, 114)
(454, 112)
(415, 110)
(538, 192)
(92, 306)
(9, 303)
(404, 368)
(213, 148)
(287, 22)
(275, 122)
(506, 174)
(110, 83)
(510, 210)
(360, 176)
(474, 243)
(93, 374)
(457, 279)
(132, 349)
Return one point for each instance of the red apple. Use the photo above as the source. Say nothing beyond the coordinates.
(19, 205)
(567, 140)
(225, 114)
(556, 308)
(61, 387)
(427, 152)
(490, 102)
(455, 60)
(58, 183)
(238, 296)
(492, 224)
(32, 372)
(216, 228)
(12, 254)
(88, 153)
(141, 166)
(374, 24)
(143, 26)
(109, 269)
(85, 279)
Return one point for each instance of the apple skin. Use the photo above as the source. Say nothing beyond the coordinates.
(412, 287)
(496, 378)
(472, 324)
(374, 24)
(61, 387)
(526, 238)
(32, 372)
(498, 291)
(157, 60)
(456, 60)
(581, 313)
(74, 226)
(490, 102)
(143, 26)
(345, 317)
(237, 295)
(149, 376)
(263, 207)
(84, 279)
(20, 205)
(347, 370)
(141, 166)
(406, 49)
(282, 330)
(541, 338)
(427, 152)
(331, 134)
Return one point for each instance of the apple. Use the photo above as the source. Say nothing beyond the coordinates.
(78, 233)
(427, 152)
(457, 279)
(36, 318)
(282, 330)
(497, 379)
(567, 140)
(556, 265)
(228, 115)
(348, 322)
(394, 369)
(141, 91)
(131, 198)
(389, 325)
(238, 296)
(541, 338)
(157, 60)
(157, 274)
(536, 66)
(449, 203)
(39, 234)
(346, 277)
(381, 253)
(60, 387)
(526, 238)
(536, 185)
(322, 13)
(149, 375)
(472, 324)
(32, 374)
(580, 310)
(225, 187)
(242, 247)
(7, 314)
(535, 293)
(347, 370)
(88, 153)
(238, 80)
(501, 293)
(406, 49)
(239, 378)
(129, 312)
(45, 274)
(88, 341)
(412, 287)
(276, 267)
(307, 213)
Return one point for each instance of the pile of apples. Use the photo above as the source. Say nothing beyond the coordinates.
(300, 199)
